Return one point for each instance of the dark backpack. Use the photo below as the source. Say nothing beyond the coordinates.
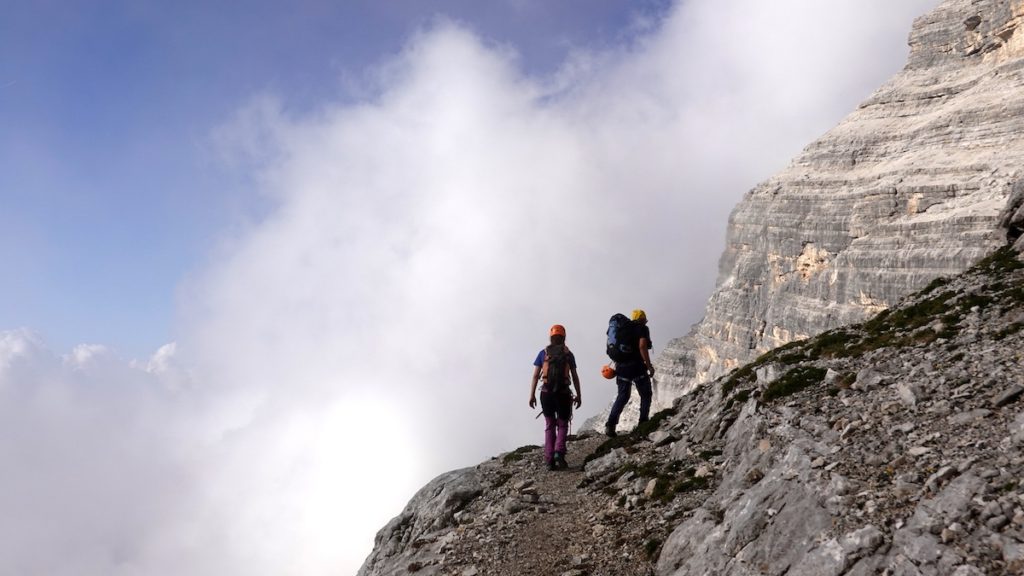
(623, 338)
(555, 370)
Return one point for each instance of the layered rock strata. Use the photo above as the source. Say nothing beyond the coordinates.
(907, 188)
(895, 446)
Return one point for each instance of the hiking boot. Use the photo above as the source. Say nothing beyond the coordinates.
(551, 464)
(559, 461)
(609, 431)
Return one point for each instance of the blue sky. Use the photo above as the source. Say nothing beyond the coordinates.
(111, 191)
(243, 249)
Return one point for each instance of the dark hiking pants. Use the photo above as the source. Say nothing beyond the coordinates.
(643, 387)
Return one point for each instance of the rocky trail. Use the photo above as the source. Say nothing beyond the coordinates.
(607, 514)
(552, 522)
(851, 403)
(889, 447)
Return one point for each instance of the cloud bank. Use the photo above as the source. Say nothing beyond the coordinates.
(376, 325)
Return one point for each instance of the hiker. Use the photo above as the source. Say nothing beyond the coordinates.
(555, 364)
(634, 369)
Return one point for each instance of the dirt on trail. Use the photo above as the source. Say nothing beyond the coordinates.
(534, 521)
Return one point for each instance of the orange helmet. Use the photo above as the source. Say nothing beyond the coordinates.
(557, 330)
(608, 372)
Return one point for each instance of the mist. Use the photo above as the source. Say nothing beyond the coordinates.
(375, 324)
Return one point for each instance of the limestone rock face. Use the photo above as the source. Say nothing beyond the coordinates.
(893, 446)
(911, 186)
(886, 447)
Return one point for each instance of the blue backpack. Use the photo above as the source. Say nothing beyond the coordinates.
(623, 340)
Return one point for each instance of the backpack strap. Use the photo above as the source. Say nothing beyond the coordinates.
(566, 377)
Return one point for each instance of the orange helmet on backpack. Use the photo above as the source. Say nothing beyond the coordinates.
(557, 330)
(608, 372)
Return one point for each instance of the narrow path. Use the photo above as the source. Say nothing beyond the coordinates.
(550, 526)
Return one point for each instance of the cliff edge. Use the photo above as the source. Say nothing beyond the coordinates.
(893, 446)
(907, 188)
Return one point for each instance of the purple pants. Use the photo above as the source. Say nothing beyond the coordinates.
(557, 409)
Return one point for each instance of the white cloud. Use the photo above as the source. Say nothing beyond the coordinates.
(83, 353)
(89, 463)
(377, 325)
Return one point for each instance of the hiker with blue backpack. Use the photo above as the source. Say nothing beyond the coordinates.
(629, 345)
(555, 365)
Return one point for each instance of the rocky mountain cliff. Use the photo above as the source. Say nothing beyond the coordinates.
(907, 188)
(890, 443)
(894, 446)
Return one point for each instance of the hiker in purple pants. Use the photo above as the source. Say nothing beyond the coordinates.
(556, 366)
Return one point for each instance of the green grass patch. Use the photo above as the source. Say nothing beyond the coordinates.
(651, 548)
(792, 358)
(793, 381)
(741, 375)
(662, 490)
(1002, 260)
(662, 479)
(708, 455)
(1009, 330)
(924, 337)
(935, 284)
(951, 320)
(519, 453)
(918, 314)
(644, 429)
(501, 479)
(740, 397)
(747, 373)
(635, 436)
(1008, 487)
(621, 441)
(832, 344)
(842, 383)
(1013, 296)
(969, 301)
(878, 323)
(645, 470)
(690, 485)
(949, 331)
(785, 347)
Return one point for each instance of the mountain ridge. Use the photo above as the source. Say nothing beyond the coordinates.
(851, 401)
(906, 188)
(891, 446)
